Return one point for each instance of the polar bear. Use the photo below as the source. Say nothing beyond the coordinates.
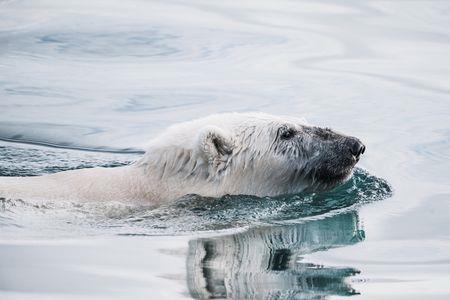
(233, 153)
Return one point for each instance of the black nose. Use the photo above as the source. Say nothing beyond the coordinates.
(356, 147)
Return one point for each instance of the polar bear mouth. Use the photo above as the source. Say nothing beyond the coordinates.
(327, 177)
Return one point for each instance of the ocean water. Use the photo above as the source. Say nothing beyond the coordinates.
(106, 76)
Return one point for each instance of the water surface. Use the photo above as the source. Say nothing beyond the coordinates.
(109, 75)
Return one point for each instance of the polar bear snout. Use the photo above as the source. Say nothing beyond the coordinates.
(355, 146)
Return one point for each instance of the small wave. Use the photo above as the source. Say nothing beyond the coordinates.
(192, 212)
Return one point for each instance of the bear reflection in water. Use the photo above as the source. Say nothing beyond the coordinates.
(266, 263)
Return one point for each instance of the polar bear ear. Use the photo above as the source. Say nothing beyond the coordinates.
(215, 146)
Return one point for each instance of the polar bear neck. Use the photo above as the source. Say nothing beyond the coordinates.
(179, 171)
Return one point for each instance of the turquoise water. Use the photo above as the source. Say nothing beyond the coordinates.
(109, 75)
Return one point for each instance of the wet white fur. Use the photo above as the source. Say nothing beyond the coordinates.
(184, 159)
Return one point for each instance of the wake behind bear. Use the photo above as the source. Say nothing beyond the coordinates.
(233, 153)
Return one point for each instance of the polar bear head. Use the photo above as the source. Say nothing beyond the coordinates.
(251, 153)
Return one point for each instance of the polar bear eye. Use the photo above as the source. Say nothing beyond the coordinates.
(287, 133)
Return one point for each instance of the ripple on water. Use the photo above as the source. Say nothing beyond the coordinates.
(112, 44)
(157, 43)
(193, 212)
(25, 160)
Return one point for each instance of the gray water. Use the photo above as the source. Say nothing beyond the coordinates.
(108, 75)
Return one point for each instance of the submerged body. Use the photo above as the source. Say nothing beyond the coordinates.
(235, 153)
